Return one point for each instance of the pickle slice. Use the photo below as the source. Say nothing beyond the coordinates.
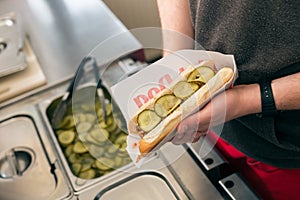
(80, 117)
(66, 137)
(108, 122)
(86, 166)
(67, 122)
(83, 127)
(79, 148)
(91, 118)
(76, 168)
(121, 139)
(185, 89)
(100, 165)
(112, 149)
(108, 109)
(69, 150)
(118, 161)
(112, 127)
(73, 158)
(165, 104)
(147, 120)
(96, 151)
(89, 174)
(99, 134)
(201, 74)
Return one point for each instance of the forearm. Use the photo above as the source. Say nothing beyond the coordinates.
(176, 25)
(286, 92)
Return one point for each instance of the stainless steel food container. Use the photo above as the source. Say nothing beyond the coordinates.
(29, 169)
(46, 108)
(143, 183)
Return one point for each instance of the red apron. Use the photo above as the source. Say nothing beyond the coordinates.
(267, 181)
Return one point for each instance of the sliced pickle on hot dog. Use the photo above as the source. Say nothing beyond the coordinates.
(147, 120)
(201, 74)
(165, 104)
(184, 89)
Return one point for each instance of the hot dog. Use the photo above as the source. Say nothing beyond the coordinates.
(157, 118)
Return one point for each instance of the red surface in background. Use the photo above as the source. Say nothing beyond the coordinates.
(267, 181)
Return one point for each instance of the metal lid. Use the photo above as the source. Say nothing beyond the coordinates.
(25, 171)
(12, 57)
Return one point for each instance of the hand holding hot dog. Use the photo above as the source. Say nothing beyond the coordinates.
(222, 108)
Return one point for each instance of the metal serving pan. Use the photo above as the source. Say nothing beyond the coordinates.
(88, 157)
(147, 182)
(144, 186)
(28, 169)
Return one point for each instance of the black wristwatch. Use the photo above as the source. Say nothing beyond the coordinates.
(267, 99)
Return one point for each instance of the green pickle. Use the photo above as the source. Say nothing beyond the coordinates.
(93, 147)
(79, 148)
(83, 127)
(67, 137)
(69, 150)
(89, 174)
(100, 134)
(76, 168)
(73, 158)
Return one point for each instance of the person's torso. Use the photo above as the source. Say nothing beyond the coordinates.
(262, 35)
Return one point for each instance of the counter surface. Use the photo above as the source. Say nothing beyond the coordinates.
(63, 32)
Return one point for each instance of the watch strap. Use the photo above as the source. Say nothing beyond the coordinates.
(267, 99)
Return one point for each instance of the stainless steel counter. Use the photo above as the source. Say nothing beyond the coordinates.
(63, 32)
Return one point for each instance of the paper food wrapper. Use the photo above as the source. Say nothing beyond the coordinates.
(131, 93)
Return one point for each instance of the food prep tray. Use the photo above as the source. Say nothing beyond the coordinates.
(89, 149)
(12, 56)
(154, 186)
(147, 182)
(27, 169)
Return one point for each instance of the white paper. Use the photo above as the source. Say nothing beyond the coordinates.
(134, 91)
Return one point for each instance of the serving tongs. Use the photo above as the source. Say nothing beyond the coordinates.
(61, 108)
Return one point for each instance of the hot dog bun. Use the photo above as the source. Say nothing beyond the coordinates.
(151, 139)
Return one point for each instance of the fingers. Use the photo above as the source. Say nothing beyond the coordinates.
(188, 137)
(192, 128)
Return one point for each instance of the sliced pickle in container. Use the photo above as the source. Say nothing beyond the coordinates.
(66, 137)
(147, 120)
(184, 89)
(67, 122)
(112, 127)
(91, 118)
(92, 147)
(76, 168)
(96, 151)
(79, 148)
(121, 139)
(74, 158)
(86, 166)
(108, 109)
(108, 122)
(101, 166)
(84, 127)
(88, 174)
(69, 150)
(80, 118)
(166, 104)
(201, 74)
(100, 135)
